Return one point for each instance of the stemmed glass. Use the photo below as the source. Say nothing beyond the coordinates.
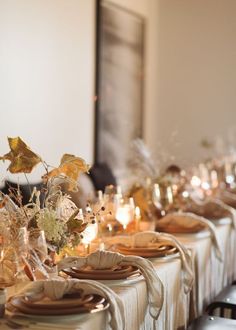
(125, 211)
(8, 260)
(38, 253)
(163, 198)
(156, 196)
(110, 201)
(37, 242)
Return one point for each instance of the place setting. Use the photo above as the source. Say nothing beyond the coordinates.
(114, 273)
(154, 251)
(65, 306)
(64, 300)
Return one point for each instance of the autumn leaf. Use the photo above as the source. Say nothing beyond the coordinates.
(74, 224)
(71, 167)
(22, 159)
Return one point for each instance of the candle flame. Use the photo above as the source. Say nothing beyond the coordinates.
(90, 233)
(137, 212)
(195, 181)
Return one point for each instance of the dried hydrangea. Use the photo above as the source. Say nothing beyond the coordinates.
(53, 227)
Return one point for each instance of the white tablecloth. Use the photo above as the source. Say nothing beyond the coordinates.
(134, 296)
(210, 277)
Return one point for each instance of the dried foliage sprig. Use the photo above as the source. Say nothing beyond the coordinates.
(48, 209)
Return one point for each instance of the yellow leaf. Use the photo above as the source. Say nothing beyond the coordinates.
(22, 159)
(71, 167)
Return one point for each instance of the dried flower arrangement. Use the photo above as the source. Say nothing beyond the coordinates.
(57, 216)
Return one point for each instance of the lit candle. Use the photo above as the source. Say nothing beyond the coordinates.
(89, 234)
(214, 179)
(119, 191)
(174, 189)
(169, 195)
(185, 194)
(204, 174)
(109, 226)
(100, 195)
(195, 181)
(101, 246)
(157, 192)
(229, 178)
(137, 217)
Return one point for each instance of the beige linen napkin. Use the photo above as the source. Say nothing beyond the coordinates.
(212, 209)
(189, 222)
(55, 289)
(151, 238)
(108, 259)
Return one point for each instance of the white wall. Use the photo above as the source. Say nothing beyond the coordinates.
(190, 75)
(196, 75)
(47, 76)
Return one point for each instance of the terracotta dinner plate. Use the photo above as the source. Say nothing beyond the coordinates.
(96, 304)
(62, 303)
(160, 251)
(117, 270)
(131, 270)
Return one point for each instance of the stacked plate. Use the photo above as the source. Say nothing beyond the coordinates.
(148, 252)
(115, 273)
(69, 304)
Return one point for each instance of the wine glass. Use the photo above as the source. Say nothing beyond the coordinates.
(20, 242)
(38, 254)
(37, 242)
(8, 259)
(156, 196)
(125, 212)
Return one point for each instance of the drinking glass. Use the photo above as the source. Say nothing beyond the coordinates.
(37, 242)
(8, 259)
(125, 212)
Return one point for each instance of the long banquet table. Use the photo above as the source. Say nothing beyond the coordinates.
(210, 277)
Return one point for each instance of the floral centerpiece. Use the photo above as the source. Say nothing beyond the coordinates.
(49, 209)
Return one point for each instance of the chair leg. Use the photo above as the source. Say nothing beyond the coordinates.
(233, 314)
(222, 312)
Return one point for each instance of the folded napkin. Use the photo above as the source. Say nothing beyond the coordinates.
(212, 209)
(108, 259)
(56, 289)
(192, 223)
(152, 239)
